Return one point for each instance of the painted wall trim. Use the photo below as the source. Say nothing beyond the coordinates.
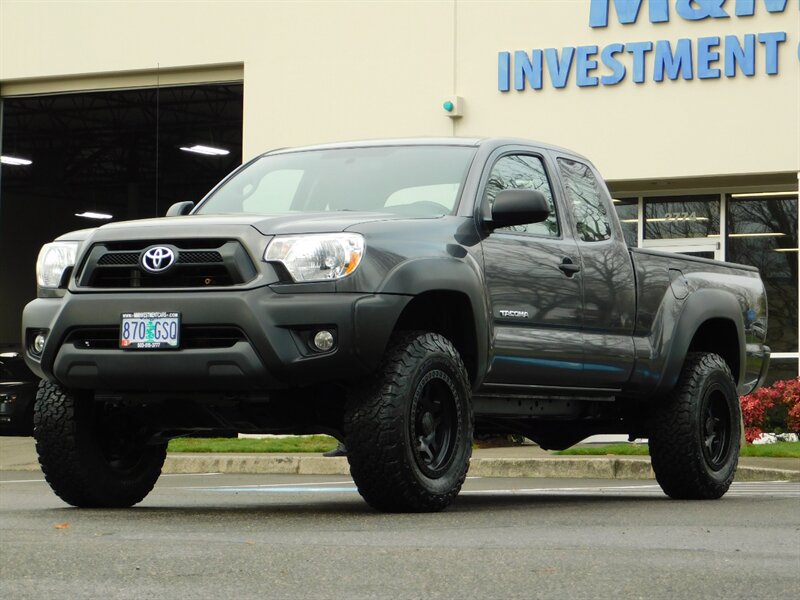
(229, 72)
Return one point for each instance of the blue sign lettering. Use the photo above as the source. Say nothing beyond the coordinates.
(585, 64)
(691, 10)
(503, 67)
(638, 49)
(747, 8)
(627, 11)
(559, 69)
(705, 57)
(617, 68)
(530, 69)
(742, 55)
(697, 10)
(672, 64)
(770, 42)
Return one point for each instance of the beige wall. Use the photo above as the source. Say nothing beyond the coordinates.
(324, 71)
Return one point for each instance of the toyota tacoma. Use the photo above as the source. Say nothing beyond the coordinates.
(402, 296)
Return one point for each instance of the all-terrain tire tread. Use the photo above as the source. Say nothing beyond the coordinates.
(374, 428)
(674, 442)
(63, 456)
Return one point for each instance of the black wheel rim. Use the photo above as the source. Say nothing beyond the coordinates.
(434, 423)
(716, 428)
(121, 438)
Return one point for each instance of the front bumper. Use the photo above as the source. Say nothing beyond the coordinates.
(270, 355)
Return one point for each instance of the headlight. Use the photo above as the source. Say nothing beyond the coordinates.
(53, 260)
(317, 257)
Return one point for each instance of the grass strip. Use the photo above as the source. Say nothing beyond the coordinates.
(292, 444)
(776, 450)
(323, 443)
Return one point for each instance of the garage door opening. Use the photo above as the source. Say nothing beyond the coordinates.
(80, 160)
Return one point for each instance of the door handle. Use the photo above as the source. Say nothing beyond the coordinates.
(568, 267)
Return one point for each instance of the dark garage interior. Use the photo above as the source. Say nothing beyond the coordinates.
(110, 156)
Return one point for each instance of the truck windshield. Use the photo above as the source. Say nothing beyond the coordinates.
(416, 181)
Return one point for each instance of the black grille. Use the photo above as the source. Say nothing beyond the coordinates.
(119, 258)
(200, 263)
(199, 257)
(191, 336)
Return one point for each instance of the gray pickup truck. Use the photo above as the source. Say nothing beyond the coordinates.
(401, 295)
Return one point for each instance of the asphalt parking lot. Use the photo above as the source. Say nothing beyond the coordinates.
(290, 536)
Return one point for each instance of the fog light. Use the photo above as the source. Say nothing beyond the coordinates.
(38, 343)
(323, 340)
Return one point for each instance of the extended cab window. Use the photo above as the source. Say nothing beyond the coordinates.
(521, 171)
(591, 215)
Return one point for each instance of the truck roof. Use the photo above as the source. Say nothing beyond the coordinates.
(430, 141)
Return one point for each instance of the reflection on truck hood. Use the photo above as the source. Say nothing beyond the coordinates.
(295, 223)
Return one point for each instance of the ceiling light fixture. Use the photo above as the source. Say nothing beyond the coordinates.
(785, 249)
(13, 160)
(207, 150)
(776, 234)
(673, 219)
(763, 194)
(87, 214)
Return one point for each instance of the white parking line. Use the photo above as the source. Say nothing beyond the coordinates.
(266, 486)
(188, 474)
(765, 489)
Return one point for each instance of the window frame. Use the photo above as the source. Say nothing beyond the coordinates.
(615, 231)
(482, 205)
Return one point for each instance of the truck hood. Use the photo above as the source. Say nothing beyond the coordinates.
(288, 224)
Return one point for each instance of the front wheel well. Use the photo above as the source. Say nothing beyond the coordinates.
(447, 313)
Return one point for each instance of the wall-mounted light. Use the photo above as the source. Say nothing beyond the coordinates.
(94, 215)
(207, 150)
(454, 107)
(13, 160)
(786, 249)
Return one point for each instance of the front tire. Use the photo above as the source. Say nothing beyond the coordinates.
(694, 434)
(409, 430)
(90, 456)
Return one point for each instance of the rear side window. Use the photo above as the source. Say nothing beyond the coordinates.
(523, 172)
(583, 193)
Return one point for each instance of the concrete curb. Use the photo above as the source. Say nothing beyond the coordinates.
(569, 468)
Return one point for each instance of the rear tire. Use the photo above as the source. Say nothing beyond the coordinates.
(91, 457)
(409, 430)
(694, 434)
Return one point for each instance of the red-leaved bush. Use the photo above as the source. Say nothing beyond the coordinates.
(773, 407)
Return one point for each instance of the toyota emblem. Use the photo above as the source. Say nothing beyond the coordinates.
(158, 259)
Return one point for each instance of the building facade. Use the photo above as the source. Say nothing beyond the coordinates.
(691, 109)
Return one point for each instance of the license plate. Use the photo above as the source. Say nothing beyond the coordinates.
(150, 330)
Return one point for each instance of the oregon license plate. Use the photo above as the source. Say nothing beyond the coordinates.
(150, 330)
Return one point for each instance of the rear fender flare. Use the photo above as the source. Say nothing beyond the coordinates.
(700, 307)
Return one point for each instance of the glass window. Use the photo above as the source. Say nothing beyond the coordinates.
(417, 181)
(628, 213)
(762, 231)
(443, 193)
(781, 368)
(276, 189)
(521, 171)
(591, 215)
(670, 217)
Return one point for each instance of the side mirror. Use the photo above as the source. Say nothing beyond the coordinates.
(180, 208)
(518, 207)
